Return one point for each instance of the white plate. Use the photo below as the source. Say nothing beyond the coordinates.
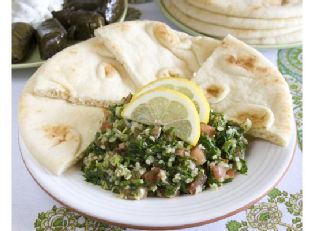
(193, 32)
(267, 164)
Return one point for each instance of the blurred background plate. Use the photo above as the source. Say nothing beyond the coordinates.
(191, 31)
(34, 60)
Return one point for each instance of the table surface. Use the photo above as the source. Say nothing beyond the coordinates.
(28, 199)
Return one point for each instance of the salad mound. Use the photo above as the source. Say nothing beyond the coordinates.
(136, 160)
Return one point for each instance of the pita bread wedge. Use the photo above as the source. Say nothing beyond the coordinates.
(221, 31)
(252, 8)
(149, 50)
(55, 131)
(240, 82)
(85, 73)
(234, 22)
(193, 51)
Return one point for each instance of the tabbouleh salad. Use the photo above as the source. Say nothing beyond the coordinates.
(136, 160)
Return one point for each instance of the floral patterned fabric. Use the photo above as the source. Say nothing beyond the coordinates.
(63, 219)
(290, 65)
(270, 215)
(264, 216)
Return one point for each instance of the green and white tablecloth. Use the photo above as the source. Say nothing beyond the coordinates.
(281, 209)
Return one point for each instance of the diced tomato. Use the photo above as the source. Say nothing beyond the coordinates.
(218, 172)
(230, 173)
(207, 129)
(198, 182)
(198, 155)
(151, 177)
(179, 152)
(106, 125)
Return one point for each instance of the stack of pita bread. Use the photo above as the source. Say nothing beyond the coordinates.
(62, 105)
(257, 22)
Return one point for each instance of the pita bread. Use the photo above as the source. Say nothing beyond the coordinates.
(193, 51)
(85, 73)
(150, 50)
(56, 132)
(57, 124)
(234, 22)
(252, 8)
(240, 82)
(294, 37)
(221, 31)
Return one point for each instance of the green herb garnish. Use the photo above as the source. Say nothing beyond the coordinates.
(137, 160)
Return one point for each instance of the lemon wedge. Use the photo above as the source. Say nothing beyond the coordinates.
(167, 107)
(186, 87)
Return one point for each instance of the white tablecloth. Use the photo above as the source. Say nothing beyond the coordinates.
(28, 199)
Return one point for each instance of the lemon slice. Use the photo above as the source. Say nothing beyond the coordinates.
(188, 88)
(170, 108)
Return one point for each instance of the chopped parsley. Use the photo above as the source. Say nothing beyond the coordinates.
(136, 160)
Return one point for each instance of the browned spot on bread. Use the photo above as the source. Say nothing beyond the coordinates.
(99, 45)
(271, 79)
(114, 46)
(285, 2)
(164, 35)
(60, 133)
(169, 73)
(254, 8)
(214, 91)
(109, 70)
(262, 69)
(227, 44)
(231, 59)
(173, 74)
(258, 120)
(248, 62)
